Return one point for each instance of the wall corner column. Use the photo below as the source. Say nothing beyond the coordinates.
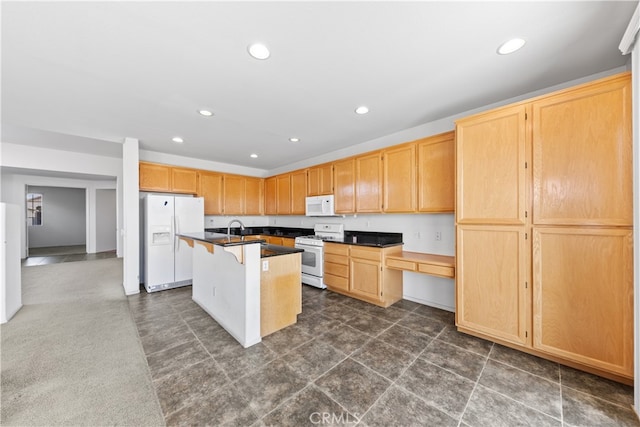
(131, 217)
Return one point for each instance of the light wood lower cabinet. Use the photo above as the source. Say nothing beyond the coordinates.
(336, 267)
(492, 295)
(360, 272)
(280, 293)
(583, 296)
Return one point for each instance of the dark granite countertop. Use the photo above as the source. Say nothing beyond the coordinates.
(221, 239)
(370, 238)
(290, 232)
(363, 238)
(267, 250)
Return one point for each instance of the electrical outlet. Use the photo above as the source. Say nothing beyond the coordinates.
(368, 224)
(417, 234)
(265, 265)
(438, 236)
(214, 291)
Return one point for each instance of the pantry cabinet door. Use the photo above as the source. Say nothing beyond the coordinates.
(583, 295)
(491, 156)
(582, 156)
(492, 292)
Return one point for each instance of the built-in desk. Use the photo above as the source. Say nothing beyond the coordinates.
(435, 265)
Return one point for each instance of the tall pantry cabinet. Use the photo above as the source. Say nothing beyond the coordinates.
(544, 226)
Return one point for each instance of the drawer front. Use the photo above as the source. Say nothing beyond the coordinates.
(366, 253)
(336, 249)
(336, 259)
(336, 282)
(401, 265)
(436, 270)
(336, 269)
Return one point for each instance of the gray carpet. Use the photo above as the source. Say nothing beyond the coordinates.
(72, 355)
(58, 250)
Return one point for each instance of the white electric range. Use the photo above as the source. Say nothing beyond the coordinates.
(313, 255)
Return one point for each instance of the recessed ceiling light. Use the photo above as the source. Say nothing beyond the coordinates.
(259, 51)
(254, 156)
(205, 113)
(362, 110)
(177, 139)
(294, 139)
(510, 46)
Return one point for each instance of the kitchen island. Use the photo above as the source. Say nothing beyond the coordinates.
(250, 288)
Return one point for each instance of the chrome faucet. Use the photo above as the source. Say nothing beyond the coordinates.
(229, 227)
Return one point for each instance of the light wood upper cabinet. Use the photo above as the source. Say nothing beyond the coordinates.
(298, 192)
(154, 177)
(583, 295)
(234, 198)
(369, 183)
(580, 171)
(270, 196)
(344, 184)
(211, 188)
(492, 297)
(320, 180)
(169, 179)
(491, 155)
(399, 178)
(436, 173)
(184, 180)
(253, 196)
(283, 192)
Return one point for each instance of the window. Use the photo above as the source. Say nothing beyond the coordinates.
(34, 209)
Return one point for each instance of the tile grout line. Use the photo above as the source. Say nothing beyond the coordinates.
(475, 386)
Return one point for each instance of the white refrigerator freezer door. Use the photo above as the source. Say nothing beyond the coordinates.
(159, 256)
(189, 217)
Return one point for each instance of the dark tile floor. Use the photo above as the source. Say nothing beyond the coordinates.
(348, 362)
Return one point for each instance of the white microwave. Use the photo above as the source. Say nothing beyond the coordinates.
(320, 206)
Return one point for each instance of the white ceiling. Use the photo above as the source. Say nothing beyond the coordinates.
(83, 75)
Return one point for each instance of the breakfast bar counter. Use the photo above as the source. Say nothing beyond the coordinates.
(250, 288)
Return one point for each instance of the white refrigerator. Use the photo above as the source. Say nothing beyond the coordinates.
(167, 259)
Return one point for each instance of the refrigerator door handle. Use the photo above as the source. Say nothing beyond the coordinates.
(173, 234)
(176, 227)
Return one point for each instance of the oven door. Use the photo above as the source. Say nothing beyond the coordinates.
(311, 259)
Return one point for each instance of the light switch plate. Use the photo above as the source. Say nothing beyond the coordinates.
(265, 265)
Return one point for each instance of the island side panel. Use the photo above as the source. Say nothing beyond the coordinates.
(281, 292)
(251, 255)
(221, 286)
